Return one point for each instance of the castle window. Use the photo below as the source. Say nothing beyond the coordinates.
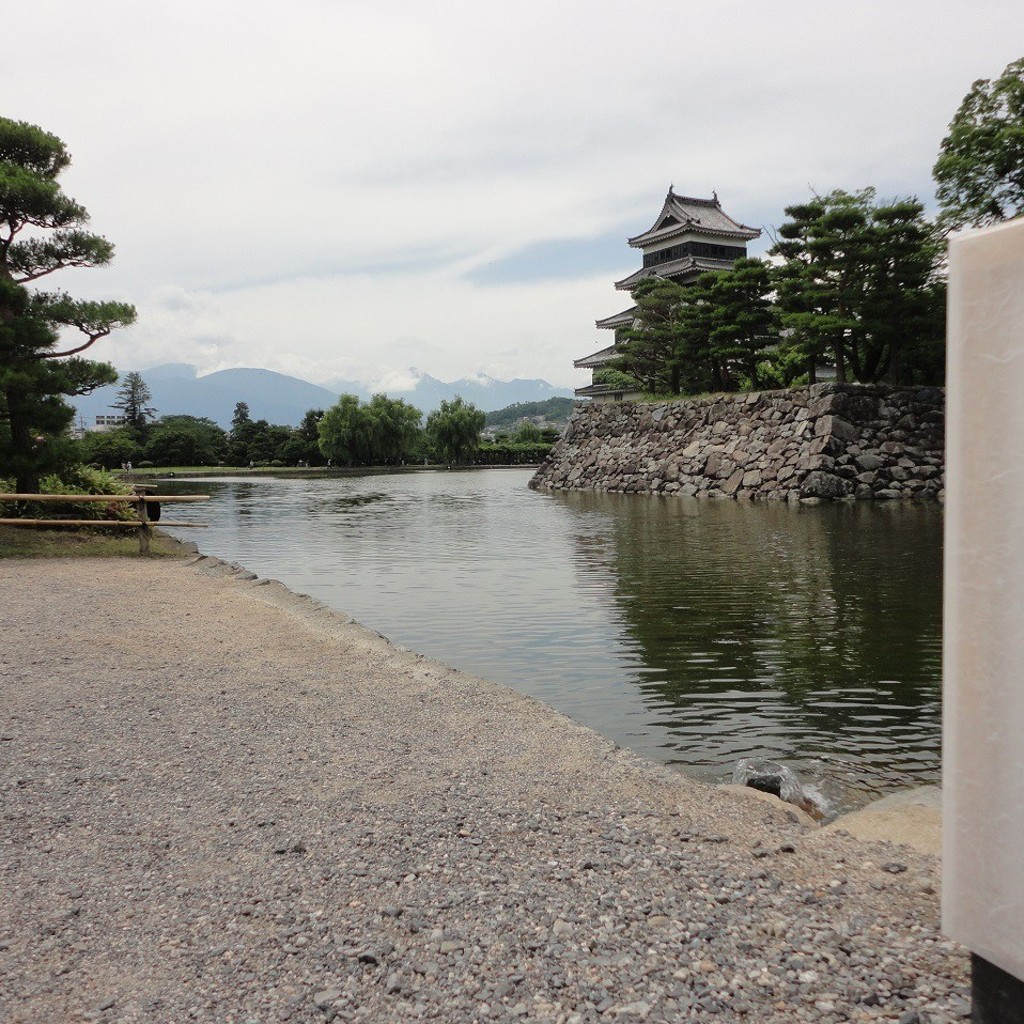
(707, 250)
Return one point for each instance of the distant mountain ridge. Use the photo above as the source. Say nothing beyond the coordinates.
(178, 389)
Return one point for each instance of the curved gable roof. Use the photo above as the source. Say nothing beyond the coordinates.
(682, 214)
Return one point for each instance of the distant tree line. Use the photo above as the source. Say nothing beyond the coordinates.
(382, 432)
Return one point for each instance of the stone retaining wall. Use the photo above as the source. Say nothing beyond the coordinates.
(826, 441)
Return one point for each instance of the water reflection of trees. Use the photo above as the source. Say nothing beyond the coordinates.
(782, 631)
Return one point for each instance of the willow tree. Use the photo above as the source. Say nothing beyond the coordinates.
(453, 431)
(384, 431)
(43, 333)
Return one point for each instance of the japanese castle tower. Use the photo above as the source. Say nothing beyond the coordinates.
(688, 237)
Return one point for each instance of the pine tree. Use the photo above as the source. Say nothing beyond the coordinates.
(41, 232)
(132, 397)
(857, 287)
(648, 351)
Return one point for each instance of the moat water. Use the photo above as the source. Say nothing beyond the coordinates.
(693, 632)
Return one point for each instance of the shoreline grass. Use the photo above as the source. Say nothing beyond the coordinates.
(23, 542)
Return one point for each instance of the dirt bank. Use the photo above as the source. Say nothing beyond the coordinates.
(221, 802)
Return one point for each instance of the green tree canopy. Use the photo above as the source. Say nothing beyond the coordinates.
(109, 449)
(304, 445)
(344, 432)
(241, 415)
(43, 231)
(453, 431)
(856, 286)
(254, 441)
(550, 408)
(394, 429)
(649, 351)
(131, 399)
(612, 377)
(33, 415)
(708, 335)
(743, 322)
(980, 169)
(266, 440)
(825, 246)
(526, 433)
(242, 437)
(382, 432)
(186, 441)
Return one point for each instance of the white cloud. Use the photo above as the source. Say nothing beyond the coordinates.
(304, 188)
(396, 380)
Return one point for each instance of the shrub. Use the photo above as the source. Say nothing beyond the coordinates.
(77, 480)
(512, 454)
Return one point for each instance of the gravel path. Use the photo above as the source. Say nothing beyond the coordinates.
(221, 802)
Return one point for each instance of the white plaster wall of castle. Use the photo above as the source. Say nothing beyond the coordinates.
(823, 442)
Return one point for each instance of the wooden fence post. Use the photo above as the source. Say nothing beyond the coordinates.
(145, 528)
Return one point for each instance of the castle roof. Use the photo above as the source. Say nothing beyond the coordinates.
(688, 268)
(595, 359)
(623, 319)
(687, 214)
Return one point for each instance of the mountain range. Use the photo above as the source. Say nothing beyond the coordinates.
(177, 388)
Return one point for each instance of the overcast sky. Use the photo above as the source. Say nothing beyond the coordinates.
(340, 189)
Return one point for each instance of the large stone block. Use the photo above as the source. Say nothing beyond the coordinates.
(868, 462)
(732, 485)
(828, 405)
(816, 461)
(819, 484)
(833, 426)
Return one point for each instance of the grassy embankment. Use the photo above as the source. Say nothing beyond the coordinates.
(98, 540)
(89, 542)
(25, 542)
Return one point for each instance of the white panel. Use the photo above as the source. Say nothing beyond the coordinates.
(983, 674)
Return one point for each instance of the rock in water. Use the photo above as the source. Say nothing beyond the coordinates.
(770, 777)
